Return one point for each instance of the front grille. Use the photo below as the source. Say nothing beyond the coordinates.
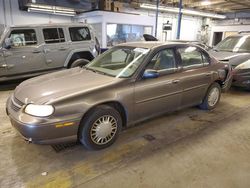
(16, 105)
(18, 102)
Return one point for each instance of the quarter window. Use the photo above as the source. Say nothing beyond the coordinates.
(163, 60)
(53, 35)
(191, 57)
(23, 37)
(79, 34)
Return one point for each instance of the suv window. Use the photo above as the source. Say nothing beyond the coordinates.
(79, 34)
(53, 35)
(191, 57)
(164, 60)
(23, 37)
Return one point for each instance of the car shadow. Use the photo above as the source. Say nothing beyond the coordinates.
(9, 85)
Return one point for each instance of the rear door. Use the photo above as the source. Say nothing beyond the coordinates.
(155, 96)
(25, 56)
(56, 48)
(196, 75)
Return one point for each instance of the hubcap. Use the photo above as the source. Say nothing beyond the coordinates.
(213, 96)
(103, 129)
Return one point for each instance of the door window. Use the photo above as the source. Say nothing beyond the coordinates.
(23, 37)
(53, 35)
(191, 57)
(163, 61)
(79, 34)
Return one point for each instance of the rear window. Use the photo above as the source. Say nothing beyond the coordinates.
(53, 35)
(191, 57)
(79, 34)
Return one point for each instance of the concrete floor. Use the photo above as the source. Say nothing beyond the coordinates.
(192, 148)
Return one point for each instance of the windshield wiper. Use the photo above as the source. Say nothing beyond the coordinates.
(99, 72)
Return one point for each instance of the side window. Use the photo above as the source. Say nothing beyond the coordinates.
(23, 37)
(53, 35)
(163, 61)
(205, 59)
(79, 34)
(191, 57)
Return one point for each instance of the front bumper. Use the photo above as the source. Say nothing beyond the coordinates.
(38, 130)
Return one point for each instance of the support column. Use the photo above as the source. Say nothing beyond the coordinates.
(179, 20)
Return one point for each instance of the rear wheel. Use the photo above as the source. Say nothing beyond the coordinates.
(212, 97)
(100, 128)
(79, 63)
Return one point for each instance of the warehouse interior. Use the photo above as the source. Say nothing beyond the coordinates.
(186, 147)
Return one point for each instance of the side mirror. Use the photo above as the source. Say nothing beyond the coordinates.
(150, 73)
(8, 42)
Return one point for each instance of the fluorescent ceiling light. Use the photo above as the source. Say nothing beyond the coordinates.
(51, 11)
(206, 3)
(184, 11)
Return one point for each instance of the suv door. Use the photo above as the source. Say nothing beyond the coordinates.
(2, 62)
(158, 95)
(56, 48)
(196, 75)
(81, 39)
(25, 55)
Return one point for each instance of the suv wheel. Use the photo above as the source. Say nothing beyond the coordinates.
(212, 97)
(79, 63)
(100, 128)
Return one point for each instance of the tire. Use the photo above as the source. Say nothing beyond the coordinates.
(208, 104)
(90, 133)
(79, 63)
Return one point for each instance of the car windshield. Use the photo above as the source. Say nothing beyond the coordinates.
(234, 44)
(119, 62)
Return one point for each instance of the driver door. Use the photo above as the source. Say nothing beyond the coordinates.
(154, 96)
(25, 55)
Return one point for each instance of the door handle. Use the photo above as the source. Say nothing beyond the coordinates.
(37, 51)
(63, 48)
(175, 81)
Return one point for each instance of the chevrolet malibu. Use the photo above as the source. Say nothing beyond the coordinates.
(127, 84)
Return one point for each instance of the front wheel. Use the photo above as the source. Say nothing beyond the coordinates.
(212, 97)
(100, 128)
(79, 63)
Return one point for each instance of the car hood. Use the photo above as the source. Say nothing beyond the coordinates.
(55, 86)
(225, 56)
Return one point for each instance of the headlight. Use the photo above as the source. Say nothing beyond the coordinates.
(39, 110)
(245, 65)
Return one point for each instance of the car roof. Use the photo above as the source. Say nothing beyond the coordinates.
(49, 25)
(151, 44)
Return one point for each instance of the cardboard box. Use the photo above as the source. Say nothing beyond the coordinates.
(117, 6)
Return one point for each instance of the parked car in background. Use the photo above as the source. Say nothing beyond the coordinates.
(148, 37)
(27, 51)
(127, 84)
(235, 50)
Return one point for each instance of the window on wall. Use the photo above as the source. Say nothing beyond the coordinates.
(120, 33)
(53, 35)
(23, 37)
(79, 34)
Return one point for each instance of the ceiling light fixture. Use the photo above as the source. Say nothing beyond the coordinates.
(184, 11)
(206, 3)
(51, 10)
